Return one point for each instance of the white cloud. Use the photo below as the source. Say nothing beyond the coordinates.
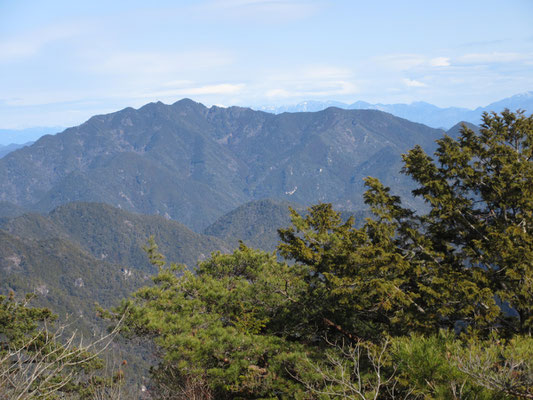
(413, 83)
(310, 89)
(221, 89)
(308, 82)
(186, 88)
(405, 62)
(323, 72)
(440, 62)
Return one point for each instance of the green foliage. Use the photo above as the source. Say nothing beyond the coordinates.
(370, 281)
(65, 278)
(480, 190)
(18, 321)
(425, 368)
(227, 325)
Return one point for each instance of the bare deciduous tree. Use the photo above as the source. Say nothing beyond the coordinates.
(359, 371)
(50, 363)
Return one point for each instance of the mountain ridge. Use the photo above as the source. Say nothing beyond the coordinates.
(193, 164)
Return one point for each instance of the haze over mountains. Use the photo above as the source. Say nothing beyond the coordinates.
(22, 136)
(420, 111)
(193, 164)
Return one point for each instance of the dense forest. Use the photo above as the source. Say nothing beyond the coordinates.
(404, 304)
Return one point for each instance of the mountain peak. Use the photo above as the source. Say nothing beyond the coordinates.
(186, 102)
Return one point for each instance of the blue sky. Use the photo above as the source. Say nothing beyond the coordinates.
(63, 61)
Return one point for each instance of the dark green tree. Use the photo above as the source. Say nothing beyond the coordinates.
(225, 331)
(480, 192)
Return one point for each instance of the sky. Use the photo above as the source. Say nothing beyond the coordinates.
(64, 61)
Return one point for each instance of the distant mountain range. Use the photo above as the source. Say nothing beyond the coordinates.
(422, 112)
(193, 164)
(4, 150)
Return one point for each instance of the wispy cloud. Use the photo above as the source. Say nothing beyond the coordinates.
(413, 83)
(440, 62)
(29, 44)
(401, 62)
(202, 90)
(171, 91)
(310, 82)
(494, 58)
(406, 62)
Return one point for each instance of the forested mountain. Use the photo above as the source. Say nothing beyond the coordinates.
(193, 164)
(455, 131)
(65, 278)
(86, 253)
(113, 235)
(256, 223)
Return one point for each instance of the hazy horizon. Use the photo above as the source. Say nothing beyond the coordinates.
(62, 62)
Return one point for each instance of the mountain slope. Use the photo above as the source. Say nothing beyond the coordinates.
(64, 277)
(193, 164)
(114, 235)
(455, 130)
(4, 150)
(256, 223)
